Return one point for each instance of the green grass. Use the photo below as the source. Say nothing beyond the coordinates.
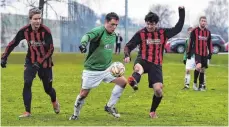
(178, 107)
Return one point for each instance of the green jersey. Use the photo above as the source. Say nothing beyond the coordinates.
(101, 47)
(185, 47)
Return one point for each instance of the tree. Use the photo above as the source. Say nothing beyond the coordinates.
(217, 17)
(164, 12)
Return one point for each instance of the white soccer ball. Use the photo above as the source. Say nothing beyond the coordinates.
(117, 69)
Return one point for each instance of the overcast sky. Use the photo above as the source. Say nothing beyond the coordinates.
(137, 9)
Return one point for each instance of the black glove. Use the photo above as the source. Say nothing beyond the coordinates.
(184, 61)
(209, 56)
(189, 57)
(36, 65)
(83, 48)
(3, 63)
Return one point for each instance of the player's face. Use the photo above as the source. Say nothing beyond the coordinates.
(203, 23)
(189, 30)
(35, 21)
(111, 25)
(151, 26)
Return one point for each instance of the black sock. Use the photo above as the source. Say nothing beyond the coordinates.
(155, 102)
(137, 76)
(27, 97)
(52, 93)
(196, 74)
(201, 79)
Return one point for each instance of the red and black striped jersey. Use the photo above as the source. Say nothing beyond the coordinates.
(40, 45)
(151, 44)
(200, 42)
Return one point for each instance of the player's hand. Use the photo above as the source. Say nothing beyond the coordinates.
(83, 48)
(198, 66)
(189, 57)
(127, 59)
(3, 63)
(184, 61)
(36, 65)
(181, 7)
(209, 56)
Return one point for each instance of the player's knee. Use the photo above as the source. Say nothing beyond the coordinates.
(138, 68)
(187, 71)
(84, 93)
(202, 70)
(158, 90)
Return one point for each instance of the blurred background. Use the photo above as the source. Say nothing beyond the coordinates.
(70, 19)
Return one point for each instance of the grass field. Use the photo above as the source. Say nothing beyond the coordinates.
(178, 107)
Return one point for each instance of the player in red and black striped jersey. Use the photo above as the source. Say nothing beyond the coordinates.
(151, 41)
(38, 58)
(201, 45)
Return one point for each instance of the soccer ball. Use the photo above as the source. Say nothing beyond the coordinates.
(117, 69)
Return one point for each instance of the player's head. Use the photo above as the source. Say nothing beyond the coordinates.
(35, 18)
(189, 30)
(202, 21)
(151, 20)
(111, 22)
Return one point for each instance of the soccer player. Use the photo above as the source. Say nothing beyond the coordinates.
(190, 65)
(201, 45)
(97, 65)
(151, 41)
(118, 43)
(38, 58)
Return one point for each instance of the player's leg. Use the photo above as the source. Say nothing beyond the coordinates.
(204, 62)
(45, 74)
(29, 75)
(190, 65)
(139, 68)
(156, 82)
(119, 48)
(120, 84)
(116, 48)
(197, 71)
(90, 79)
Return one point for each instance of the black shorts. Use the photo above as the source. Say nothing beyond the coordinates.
(30, 72)
(154, 71)
(201, 59)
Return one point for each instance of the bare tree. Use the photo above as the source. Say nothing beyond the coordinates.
(217, 17)
(164, 12)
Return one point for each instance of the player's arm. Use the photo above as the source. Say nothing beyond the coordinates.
(209, 43)
(185, 53)
(132, 44)
(190, 45)
(20, 36)
(88, 37)
(170, 32)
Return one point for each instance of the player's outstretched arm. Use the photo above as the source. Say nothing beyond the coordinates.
(170, 32)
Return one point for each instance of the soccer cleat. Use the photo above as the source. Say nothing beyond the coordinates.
(73, 117)
(153, 115)
(133, 83)
(202, 87)
(186, 87)
(56, 106)
(195, 87)
(25, 114)
(112, 110)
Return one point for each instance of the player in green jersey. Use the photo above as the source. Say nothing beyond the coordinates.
(97, 65)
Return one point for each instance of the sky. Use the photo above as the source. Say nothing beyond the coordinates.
(137, 9)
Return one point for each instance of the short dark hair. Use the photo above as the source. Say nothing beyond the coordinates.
(189, 28)
(202, 17)
(111, 15)
(151, 17)
(34, 11)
